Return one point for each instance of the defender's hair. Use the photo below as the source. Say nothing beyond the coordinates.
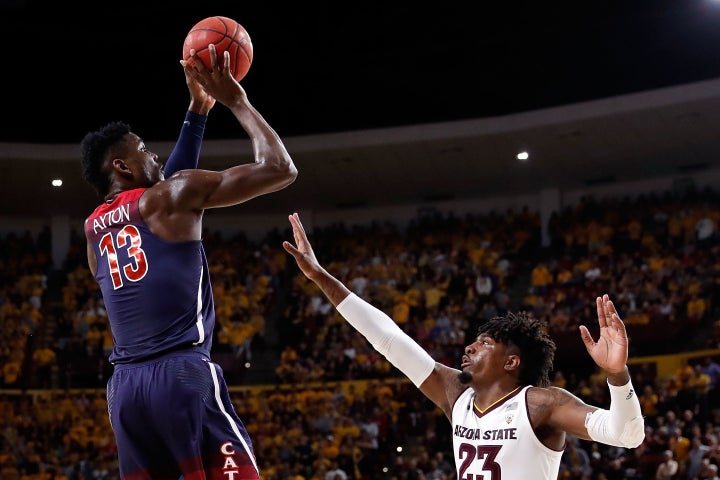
(529, 335)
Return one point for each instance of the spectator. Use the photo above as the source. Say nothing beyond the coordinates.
(668, 468)
(695, 458)
(711, 367)
(709, 471)
(575, 462)
(335, 472)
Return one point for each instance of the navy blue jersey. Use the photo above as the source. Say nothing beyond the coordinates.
(157, 293)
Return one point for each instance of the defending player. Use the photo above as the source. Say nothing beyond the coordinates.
(507, 422)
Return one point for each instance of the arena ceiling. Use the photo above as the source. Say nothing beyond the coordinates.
(670, 132)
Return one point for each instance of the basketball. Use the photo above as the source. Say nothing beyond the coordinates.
(226, 34)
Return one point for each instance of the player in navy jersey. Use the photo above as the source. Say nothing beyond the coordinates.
(507, 421)
(168, 402)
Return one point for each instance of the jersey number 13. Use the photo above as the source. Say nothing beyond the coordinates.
(128, 238)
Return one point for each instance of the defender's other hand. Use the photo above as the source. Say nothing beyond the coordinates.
(610, 352)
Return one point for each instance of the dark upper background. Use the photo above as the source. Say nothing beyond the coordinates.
(337, 66)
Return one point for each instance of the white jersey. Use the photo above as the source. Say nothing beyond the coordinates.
(499, 443)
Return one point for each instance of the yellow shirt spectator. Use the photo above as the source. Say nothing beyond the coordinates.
(541, 276)
(11, 372)
(696, 308)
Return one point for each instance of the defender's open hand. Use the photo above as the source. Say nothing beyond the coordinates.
(302, 251)
(610, 352)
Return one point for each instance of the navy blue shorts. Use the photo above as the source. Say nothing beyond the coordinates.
(172, 417)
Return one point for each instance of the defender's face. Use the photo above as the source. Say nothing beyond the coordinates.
(481, 356)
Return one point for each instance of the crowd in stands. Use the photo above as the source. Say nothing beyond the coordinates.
(433, 279)
(654, 253)
(24, 263)
(340, 410)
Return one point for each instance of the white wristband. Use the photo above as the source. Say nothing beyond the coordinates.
(622, 425)
(387, 338)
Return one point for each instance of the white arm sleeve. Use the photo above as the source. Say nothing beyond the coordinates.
(387, 338)
(622, 425)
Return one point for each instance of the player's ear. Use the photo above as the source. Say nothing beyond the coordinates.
(119, 165)
(512, 362)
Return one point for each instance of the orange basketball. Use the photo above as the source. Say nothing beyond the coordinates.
(226, 34)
